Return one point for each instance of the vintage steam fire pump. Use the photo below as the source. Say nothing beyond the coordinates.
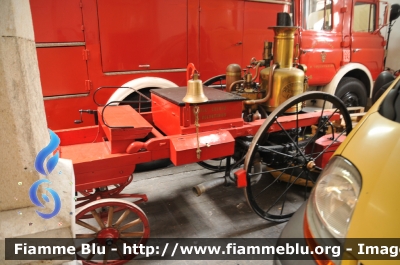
(273, 139)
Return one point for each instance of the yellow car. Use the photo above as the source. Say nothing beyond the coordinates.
(355, 203)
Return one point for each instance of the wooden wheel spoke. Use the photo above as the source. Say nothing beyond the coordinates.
(122, 218)
(105, 259)
(98, 219)
(110, 216)
(79, 248)
(125, 241)
(85, 235)
(130, 224)
(118, 251)
(90, 257)
(119, 221)
(132, 234)
(86, 225)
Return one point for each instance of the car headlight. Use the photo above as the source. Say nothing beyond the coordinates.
(334, 198)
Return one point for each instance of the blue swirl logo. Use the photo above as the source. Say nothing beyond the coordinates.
(42, 155)
(35, 199)
(50, 165)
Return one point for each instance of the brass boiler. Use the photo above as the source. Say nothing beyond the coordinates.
(233, 74)
(287, 81)
(242, 86)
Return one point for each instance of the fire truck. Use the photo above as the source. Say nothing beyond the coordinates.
(85, 44)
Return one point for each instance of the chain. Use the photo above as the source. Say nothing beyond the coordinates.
(196, 123)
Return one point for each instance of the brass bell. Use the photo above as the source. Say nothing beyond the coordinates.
(195, 93)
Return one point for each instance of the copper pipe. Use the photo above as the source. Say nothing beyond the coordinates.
(255, 77)
(234, 83)
(266, 98)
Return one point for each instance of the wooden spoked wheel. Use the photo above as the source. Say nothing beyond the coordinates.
(108, 225)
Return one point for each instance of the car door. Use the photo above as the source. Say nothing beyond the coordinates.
(221, 35)
(320, 37)
(367, 42)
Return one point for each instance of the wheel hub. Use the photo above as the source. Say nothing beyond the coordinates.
(307, 163)
(311, 165)
(350, 99)
(107, 236)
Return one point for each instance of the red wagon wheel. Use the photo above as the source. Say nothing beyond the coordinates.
(107, 225)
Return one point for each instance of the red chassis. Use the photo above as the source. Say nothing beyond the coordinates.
(106, 154)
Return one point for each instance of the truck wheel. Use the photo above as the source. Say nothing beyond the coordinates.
(145, 106)
(352, 92)
(142, 84)
(218, 82)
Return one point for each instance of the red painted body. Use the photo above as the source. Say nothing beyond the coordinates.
(143, 36)
(241, 178)
(85, 44)
(323, 143)
(178, 117)
(340, 44)
(107, 156)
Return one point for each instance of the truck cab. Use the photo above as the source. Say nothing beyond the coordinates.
(342, 46)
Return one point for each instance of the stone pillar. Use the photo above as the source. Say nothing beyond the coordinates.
(23, 133)
(23, 123)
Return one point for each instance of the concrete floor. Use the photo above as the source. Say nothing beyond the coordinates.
(174, 211)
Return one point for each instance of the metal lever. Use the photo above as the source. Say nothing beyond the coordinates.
(89, 111)
(80, 120)
(356, 50)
